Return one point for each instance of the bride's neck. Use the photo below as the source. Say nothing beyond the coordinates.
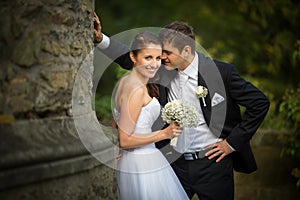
(139, 77)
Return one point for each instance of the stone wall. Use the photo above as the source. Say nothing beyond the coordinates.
(43, 43)
(93, 181)
(45, 47)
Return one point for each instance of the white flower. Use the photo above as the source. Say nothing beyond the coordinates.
(182, 113)
(201, 92)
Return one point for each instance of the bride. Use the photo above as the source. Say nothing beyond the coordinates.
(143, 172)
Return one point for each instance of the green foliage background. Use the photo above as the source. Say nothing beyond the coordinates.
(260, 37)
(290, 112)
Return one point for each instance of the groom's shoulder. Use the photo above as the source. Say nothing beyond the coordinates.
(218, 63)
(223, 64)
(224, 68)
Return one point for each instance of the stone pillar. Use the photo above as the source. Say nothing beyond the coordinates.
(43, 44)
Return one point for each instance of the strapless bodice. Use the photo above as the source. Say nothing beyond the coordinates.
(147, 117)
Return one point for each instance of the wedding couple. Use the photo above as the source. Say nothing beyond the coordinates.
(205, 155)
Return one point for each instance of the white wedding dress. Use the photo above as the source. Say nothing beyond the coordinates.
(144, 173)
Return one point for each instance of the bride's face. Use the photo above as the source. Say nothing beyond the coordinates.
(148, 60)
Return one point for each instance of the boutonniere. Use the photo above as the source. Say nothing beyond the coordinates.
(201, 92)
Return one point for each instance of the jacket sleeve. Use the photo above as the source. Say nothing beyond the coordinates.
(119, 53)
(256, 106)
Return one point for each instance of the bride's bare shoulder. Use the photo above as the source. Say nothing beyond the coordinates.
(129, 84)
(128, 88)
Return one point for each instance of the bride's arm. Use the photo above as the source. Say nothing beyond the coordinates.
(131, 106)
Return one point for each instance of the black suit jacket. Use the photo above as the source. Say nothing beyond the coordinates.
(224, 119)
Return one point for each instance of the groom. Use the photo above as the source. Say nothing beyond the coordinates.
(206, 155)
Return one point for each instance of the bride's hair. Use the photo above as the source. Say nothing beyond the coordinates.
(142, 40)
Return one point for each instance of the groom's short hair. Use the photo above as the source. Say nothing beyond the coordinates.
(179, 34)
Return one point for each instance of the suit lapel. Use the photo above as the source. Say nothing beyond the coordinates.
(206, 110)
(165, 78)
(210, 77)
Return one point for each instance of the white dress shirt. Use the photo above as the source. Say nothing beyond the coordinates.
(104, 43)
(183, 87)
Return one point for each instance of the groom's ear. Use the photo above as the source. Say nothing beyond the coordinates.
(186, 50)
(132, 57)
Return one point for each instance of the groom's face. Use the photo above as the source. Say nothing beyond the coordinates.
(172, 58)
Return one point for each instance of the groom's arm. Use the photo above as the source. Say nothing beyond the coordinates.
(256, 104)
(116, 51)
(111, 48)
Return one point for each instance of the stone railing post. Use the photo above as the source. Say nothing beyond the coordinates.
(43, 45)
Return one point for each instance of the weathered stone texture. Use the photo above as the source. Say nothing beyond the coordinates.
(43, 45)
(93, 184)
(46, 52)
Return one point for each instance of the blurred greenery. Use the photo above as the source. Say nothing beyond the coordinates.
(290, 111)
(260, 37)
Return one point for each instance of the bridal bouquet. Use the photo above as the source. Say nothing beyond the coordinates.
(182, 113)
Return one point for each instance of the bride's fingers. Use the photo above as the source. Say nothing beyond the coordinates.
(175, 125)
(177, 129)
(177, 132)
